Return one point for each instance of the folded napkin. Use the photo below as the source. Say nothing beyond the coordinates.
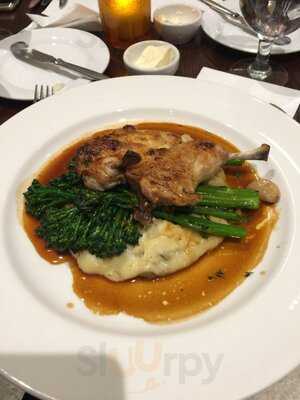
(285, 98)
(83, 14)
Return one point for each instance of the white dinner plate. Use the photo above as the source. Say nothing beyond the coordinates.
(17, 78)
(235, 349)
(224, 32)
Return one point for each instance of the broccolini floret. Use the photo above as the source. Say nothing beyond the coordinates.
(73, 217)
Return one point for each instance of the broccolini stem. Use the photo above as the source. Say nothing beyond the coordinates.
(224, 197)
(229, 215)
(202, 224)
(235, 162)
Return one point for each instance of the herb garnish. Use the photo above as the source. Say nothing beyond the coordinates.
(220, 274)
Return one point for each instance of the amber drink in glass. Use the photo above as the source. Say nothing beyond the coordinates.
(125, 21)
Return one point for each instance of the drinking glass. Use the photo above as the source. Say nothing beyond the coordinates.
(270, 20)
(125, 21)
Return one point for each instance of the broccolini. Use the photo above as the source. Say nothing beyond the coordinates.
(74, 218)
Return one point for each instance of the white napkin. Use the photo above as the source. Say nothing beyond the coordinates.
(285, 98)
(83, 14)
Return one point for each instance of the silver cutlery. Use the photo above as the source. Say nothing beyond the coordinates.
(222, 9)
(41, 92)
(238, 20)
(22, 52)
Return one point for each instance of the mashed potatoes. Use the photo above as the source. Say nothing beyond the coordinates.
(163, 248)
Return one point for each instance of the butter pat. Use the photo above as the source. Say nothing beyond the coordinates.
(154, 57)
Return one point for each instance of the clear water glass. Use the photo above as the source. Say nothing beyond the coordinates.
(270, 20)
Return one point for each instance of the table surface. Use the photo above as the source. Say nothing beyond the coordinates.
(201, 52)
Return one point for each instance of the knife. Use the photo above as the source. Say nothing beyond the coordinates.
(219, 7)
(21, 51)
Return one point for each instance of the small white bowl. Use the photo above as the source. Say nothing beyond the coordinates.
(133, 52)
(177, 23)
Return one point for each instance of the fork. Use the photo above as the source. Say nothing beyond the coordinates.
(41, 92)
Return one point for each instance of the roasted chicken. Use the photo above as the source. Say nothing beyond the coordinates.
(170, 176)
(100, 160)
(162, 167)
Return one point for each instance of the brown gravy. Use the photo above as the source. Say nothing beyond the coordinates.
(184, 293)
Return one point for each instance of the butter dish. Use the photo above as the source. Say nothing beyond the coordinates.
(152, 57)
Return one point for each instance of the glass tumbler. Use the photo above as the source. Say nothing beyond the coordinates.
(125, 21)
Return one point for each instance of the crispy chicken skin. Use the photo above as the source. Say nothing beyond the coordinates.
(171, 176)
(100, 160)
(163, 167)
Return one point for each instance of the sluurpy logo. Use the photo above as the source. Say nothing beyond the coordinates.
(150, 363)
